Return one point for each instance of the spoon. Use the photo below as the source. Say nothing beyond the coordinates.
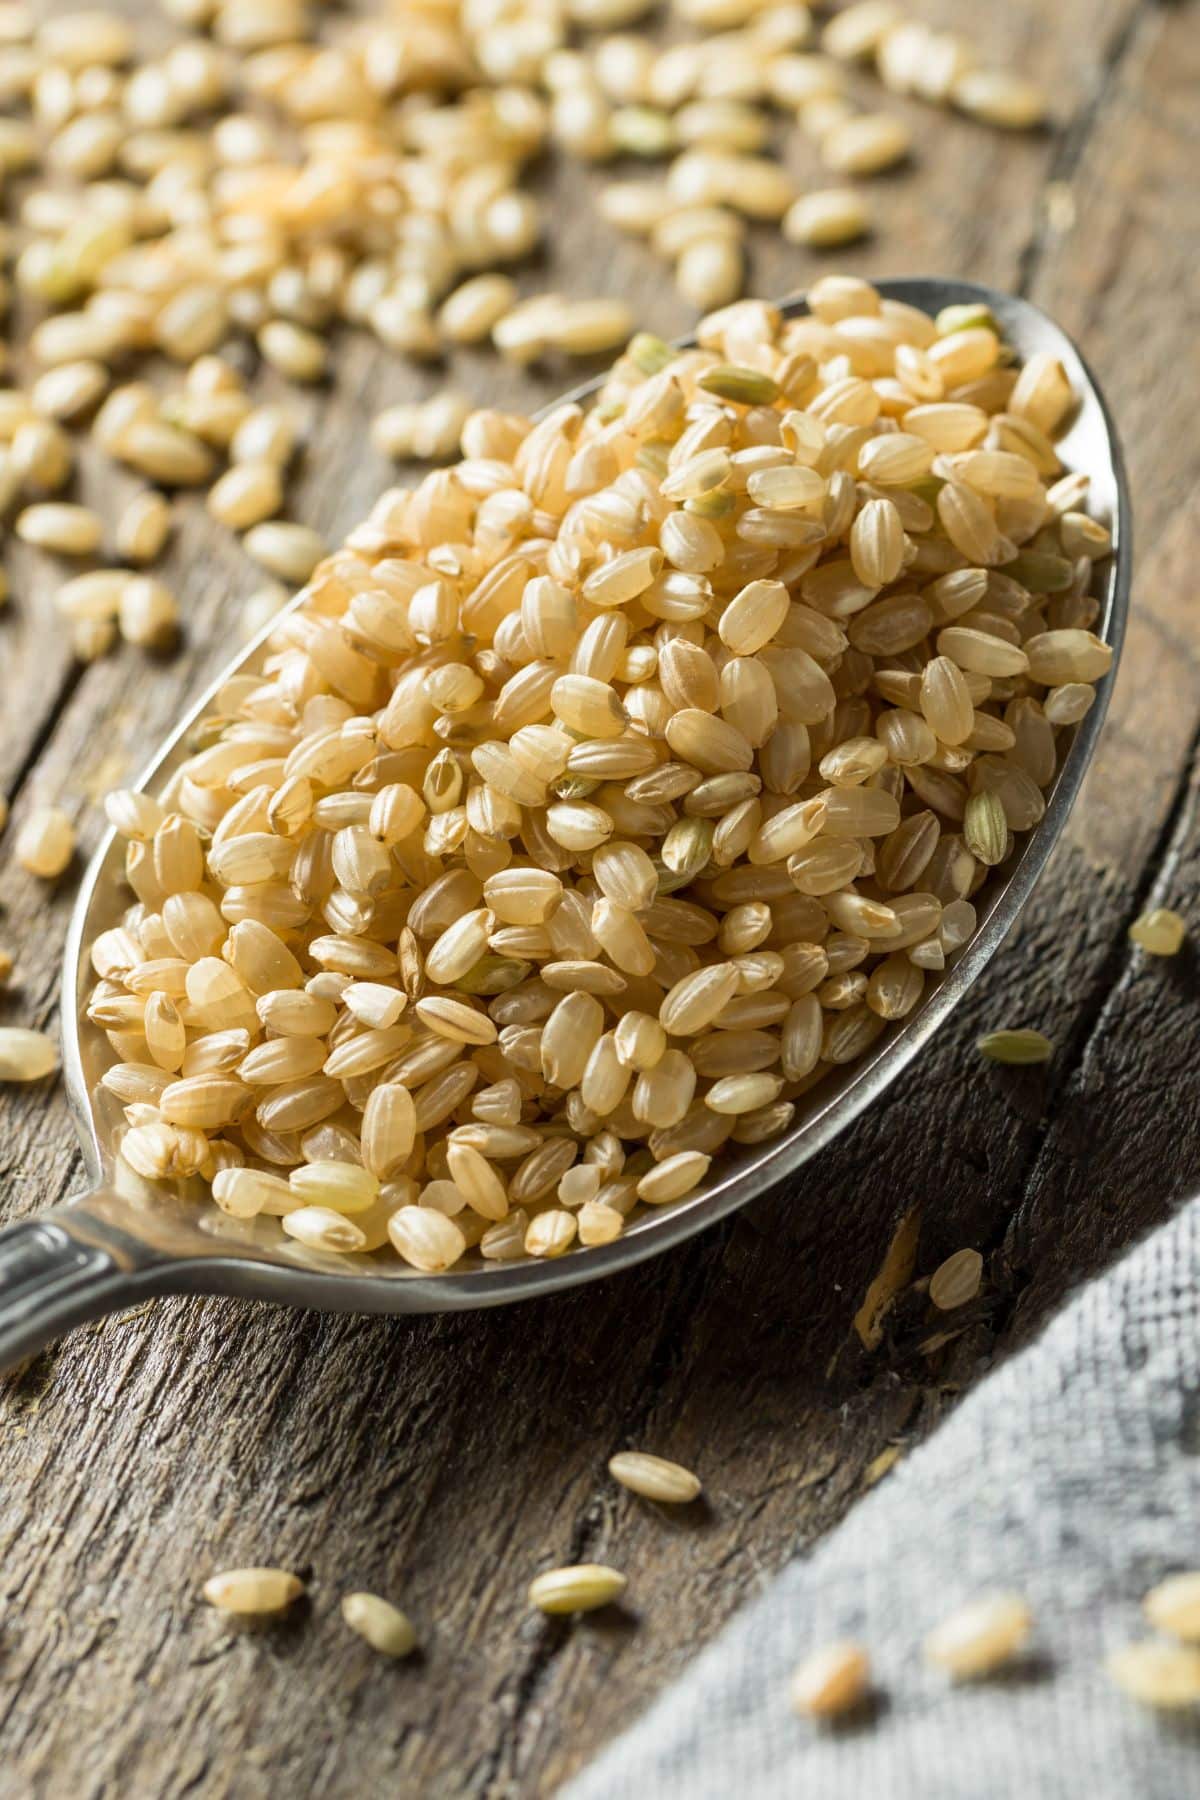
(126, 1238)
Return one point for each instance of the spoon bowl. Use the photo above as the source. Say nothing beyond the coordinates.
(126, 1238)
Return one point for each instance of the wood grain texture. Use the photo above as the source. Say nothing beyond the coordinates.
(444, 1461)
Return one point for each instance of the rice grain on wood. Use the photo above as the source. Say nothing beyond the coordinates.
(383, 1625)
(254, 1592)
(654, 1477)
(579, 1587)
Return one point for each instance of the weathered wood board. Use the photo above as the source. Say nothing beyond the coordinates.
(446, 1460)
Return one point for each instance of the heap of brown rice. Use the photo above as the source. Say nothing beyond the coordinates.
(609, 788)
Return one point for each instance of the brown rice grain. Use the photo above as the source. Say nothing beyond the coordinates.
(383, 1625)
(252, 1592)
(1016, 1047)
(956, 1281)
(654, 1477)
(1159, 931)
(981, 1636)
(1173, 1606)
(599, 1224)
(581, 1587)
(831, 1680)
(675, 1176)
(143, 528)
(289, 551)
(45, 842)
(1164, 1676)
(551, 1234)
(426, 1239)
(25, 1055)
(320, 1228)
(64, 529)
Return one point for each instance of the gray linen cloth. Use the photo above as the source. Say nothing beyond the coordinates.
(1070, 1475)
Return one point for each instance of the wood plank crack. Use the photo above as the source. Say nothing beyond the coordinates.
(1072, 143)
(72, 675)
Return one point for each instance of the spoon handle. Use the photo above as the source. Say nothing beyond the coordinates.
(51, 1280)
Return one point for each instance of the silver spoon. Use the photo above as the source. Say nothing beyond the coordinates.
(126, 1239)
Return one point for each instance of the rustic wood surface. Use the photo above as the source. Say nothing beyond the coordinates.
(446, 1460)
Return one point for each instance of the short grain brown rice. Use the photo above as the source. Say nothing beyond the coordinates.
(567, 834)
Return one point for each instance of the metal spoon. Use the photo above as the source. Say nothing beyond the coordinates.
(126, 1239)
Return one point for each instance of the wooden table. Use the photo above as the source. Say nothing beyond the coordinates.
(446, 1460)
